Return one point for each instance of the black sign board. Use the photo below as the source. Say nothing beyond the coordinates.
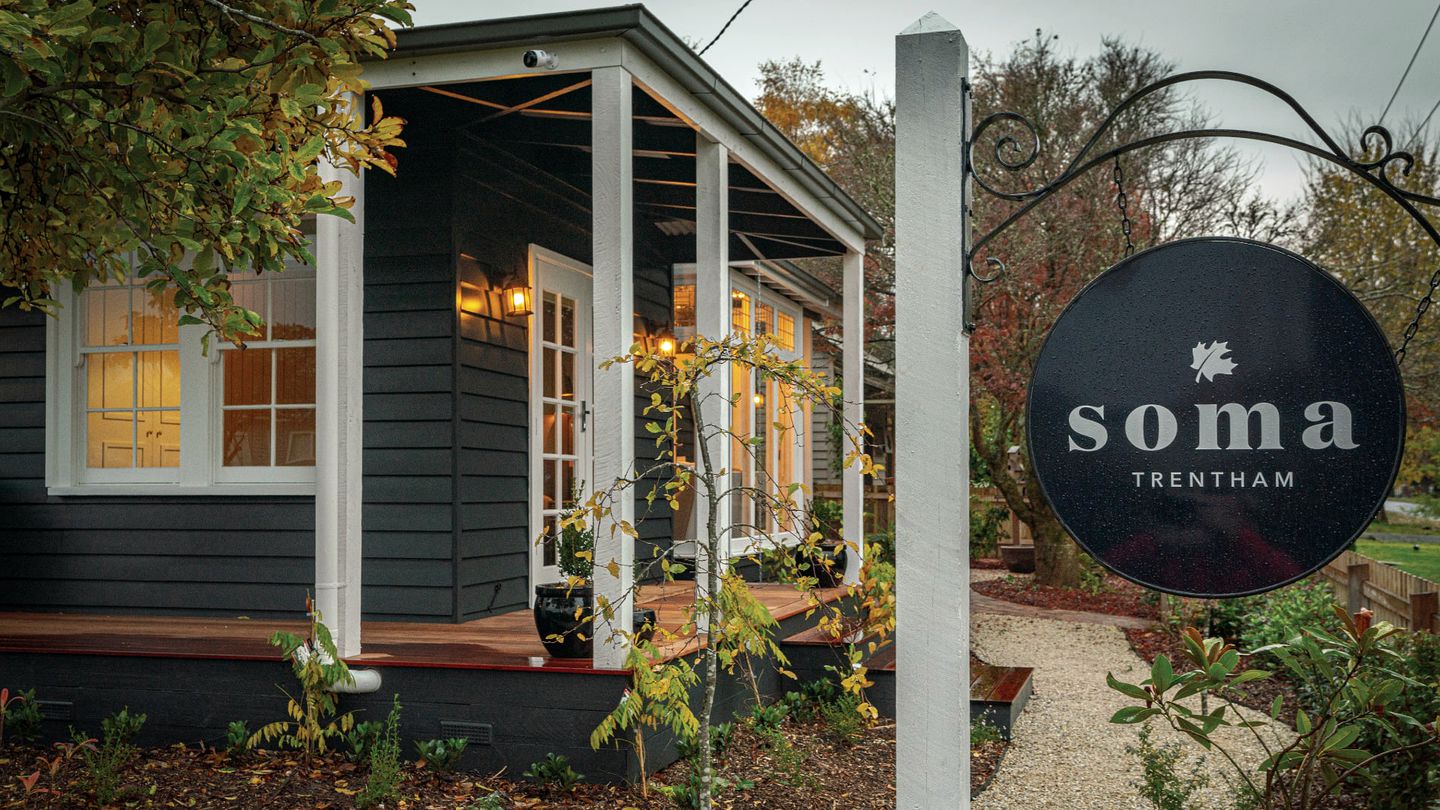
(1215, 417)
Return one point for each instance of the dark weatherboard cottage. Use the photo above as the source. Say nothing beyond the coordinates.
(396, 439)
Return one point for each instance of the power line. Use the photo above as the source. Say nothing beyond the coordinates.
(1428, 116)
(1406, 74)
(745, 5)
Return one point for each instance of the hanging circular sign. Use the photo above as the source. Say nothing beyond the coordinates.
(1215, 417)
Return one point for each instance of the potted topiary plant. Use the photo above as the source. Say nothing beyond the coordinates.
(562, 608)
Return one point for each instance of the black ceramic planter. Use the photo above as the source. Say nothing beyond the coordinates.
(555, 607)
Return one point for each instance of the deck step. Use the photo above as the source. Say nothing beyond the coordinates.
(997, 694)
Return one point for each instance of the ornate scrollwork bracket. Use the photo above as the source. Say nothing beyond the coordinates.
(1016, 144)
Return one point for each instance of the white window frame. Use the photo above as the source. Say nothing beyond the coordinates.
(201, 471)
(750, 284)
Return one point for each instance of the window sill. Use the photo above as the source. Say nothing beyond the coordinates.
(300, 489)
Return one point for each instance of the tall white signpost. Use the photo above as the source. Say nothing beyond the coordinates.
(932, 410)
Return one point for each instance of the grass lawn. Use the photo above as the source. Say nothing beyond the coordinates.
(1382, 527)
(1423, 563)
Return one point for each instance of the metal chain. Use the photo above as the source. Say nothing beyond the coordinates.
(1425, 302)
(1123, 203)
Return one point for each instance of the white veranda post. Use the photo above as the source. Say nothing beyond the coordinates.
(853, 368)
(613, 319)
(932, 396)
(712, 320)
(339, 375)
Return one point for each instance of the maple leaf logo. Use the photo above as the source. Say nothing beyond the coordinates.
(1210, 360)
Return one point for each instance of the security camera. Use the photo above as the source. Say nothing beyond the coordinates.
(544, 59)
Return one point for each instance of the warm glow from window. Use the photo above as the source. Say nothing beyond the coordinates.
(131, 356)
(764, 320)
(740, 312)
(785, 332)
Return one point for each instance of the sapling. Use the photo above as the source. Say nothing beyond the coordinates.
(732, 623)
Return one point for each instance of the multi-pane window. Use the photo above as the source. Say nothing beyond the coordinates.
(766, 420)
(563, 417)
(130, 362)
(139, 399)
(268, 391)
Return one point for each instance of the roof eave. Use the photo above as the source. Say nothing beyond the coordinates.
(637, 26)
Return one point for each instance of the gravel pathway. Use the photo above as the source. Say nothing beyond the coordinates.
(1065, 753)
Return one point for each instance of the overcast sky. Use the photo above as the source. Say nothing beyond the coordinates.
(1338, 58)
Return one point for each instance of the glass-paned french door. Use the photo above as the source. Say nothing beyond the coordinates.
(561, 375)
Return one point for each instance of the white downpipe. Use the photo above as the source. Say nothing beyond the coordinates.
(362, 681)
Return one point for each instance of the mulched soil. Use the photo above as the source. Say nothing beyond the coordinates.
(1117, 597)
(1257, 695)
(818, 771)
(988, 563)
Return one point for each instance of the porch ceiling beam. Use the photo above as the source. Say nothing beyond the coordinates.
(550, 96)
(744, 146)
(741, 200)
(613, 308)
(575, 132)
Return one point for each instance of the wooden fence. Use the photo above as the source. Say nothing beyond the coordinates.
(1402, 599)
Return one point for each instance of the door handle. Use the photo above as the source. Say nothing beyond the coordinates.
(584, 416)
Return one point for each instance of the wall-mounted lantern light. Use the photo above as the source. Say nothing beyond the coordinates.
(665, 343)
(518, 302)
(759, 400)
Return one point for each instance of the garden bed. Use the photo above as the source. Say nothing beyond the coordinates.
(1115, 596)
(1257, 695)
(811, 769)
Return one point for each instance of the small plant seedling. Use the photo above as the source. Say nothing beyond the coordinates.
(767, 717)
(362, 738)
(237, 737)
(441, 755)
(19, 715)
(554, 771)
(382, 787)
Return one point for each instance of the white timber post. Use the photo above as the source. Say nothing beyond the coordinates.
(712, 320)
(932, 409)
(852, 493)
(613, 236)
(339, 421)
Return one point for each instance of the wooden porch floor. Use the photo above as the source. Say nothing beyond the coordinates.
(507, 641)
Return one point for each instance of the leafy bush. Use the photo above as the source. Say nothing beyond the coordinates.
(1279, 616)
(1161, 785)
(720, 736)
(1325, 751)
(554, 771)
(382, 787)
(576, 551)
(20, 715)
(1092, 575)
(687, 793)
(987, 521)
(362, 738)
(771, 716)
(105, 763)
(237, 737)
(1410, 778)
(843, 719)
(787, 762)
(441, 755)
(827, 516)
(983, 732)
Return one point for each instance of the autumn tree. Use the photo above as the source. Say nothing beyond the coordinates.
(852, 137)
(1181, 189)
(187, 134)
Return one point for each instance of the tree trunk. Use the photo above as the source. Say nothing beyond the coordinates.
(1057, 558)
(710, 479)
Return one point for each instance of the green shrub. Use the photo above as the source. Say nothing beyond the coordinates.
(771, 716)
(984, 732)
(687, 793)
(720, 736)
(22, 717)
(441, 755)
(1161, 784)
(986, 523)
(237, 737)
(843, 719)
(1408, 780)
(1279, 616)
(105, 763)
(362, 738)
(382, 787)
(1092, 575)
(787, 762)
(554, 771)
